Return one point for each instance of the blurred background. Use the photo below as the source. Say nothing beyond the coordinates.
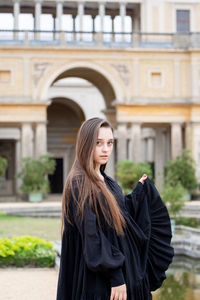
(135, 63)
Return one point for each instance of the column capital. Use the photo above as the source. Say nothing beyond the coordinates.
(119, 124)
(137, 123)
(23, 123)
(41, 122)
(81, 2)
(123, 3)
(179, 123)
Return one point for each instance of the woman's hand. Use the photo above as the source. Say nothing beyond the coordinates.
(118, 292)
(144, 177)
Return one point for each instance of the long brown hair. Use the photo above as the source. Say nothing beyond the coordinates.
(87, 181)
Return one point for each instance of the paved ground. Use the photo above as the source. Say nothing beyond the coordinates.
(28, 284)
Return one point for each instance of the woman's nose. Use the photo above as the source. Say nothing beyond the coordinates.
(105, 147)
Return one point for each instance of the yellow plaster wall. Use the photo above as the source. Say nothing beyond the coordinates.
(168, 17)
(197, 17)
(16, 85)
(185, 79)
(23, 113)
(168, 113)
(155, 18)
(156, 65)
(154, 110)
(119, 64)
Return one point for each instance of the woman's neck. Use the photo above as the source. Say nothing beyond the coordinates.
(97, 169)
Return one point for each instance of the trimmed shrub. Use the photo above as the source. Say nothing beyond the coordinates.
(173, 198)
(23, 251)
(128, 173)
(182, 170)
(190, 222)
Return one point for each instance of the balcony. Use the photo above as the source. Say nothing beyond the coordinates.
(94, 39)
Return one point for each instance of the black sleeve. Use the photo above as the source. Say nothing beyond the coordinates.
(99, 253)
(150, 213)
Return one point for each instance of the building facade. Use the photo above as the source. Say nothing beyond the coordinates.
(143, 58)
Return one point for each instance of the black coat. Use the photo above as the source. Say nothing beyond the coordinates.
(93, 260)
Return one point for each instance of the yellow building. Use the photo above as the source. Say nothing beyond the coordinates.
(142, 56)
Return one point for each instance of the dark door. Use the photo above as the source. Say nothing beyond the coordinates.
(56, 179)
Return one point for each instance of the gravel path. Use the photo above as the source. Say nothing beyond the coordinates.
(28, 283)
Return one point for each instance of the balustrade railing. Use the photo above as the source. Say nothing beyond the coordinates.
(123, 39)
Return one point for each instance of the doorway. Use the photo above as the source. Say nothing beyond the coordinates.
(56, 179)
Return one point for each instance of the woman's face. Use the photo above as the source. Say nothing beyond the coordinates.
(104, 146)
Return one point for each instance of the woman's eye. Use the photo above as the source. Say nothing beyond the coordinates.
(110, 143)
(98, 143)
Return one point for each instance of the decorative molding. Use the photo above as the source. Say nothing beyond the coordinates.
(123, 71)
(38, 72)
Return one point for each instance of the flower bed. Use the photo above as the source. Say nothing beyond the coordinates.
(23, 251)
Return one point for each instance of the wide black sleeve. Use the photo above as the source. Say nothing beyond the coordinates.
(150, 213)
(99, 253)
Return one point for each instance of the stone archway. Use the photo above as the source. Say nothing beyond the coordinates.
(64, 119)
(107, 83)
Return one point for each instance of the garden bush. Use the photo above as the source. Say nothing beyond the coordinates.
(128, 173)
(23, 251)
(182, 170)
(173, 198)
(190, 222)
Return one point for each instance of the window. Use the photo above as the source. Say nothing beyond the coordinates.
(5, 76)
(156, 79)
(183, 21)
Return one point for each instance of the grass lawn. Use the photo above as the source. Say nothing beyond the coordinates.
(46, 228)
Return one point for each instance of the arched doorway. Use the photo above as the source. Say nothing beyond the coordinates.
(66, 115)
(64, 120)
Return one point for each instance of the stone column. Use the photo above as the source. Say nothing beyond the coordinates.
(81, 14)
(17, 165)
(196, 147)
(74, 27)
(38, 11)
(188, 135)
(26, 140)
(176, 139)
(113, 28)
(121, 142)
(136, 20)
(150, 150)
(93, 27)
(102, 16)
(40, 139)
(54, 28)
(159, 157)
(16, 12)
(143, 16)
(136, 142)
(59, 13)
(122, 10)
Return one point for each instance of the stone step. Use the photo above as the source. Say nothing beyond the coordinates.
(52, 206)
(28, 209)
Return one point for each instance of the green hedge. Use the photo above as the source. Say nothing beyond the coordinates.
(21, 251)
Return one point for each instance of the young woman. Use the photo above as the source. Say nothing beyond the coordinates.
(114, 247)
